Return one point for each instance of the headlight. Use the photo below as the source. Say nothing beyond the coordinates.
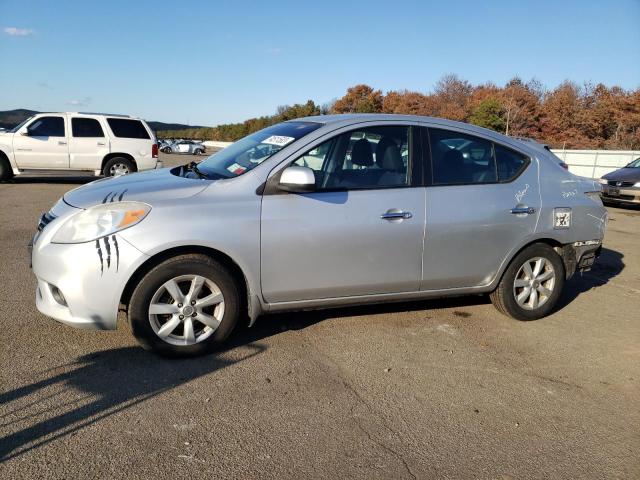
(602, 181)
(637, 184)
(101, 220)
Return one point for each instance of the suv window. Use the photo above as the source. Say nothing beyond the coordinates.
(47, 127)
(457, 158)
(86, 127)
(374, 157)
(125, 128)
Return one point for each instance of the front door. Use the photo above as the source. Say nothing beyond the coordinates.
(42, 144)
(482, 203)
(359, 233)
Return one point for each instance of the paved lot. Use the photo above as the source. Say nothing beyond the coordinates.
(437, 389)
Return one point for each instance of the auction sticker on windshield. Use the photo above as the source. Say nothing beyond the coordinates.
(278, 140)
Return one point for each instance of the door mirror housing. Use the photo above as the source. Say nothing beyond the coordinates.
(25, 133)
(297, 180)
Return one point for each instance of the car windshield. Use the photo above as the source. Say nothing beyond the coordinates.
(19, 126)
(251, 151)
(634, 164)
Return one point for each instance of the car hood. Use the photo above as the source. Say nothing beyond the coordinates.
(149, 186)
(624, 175)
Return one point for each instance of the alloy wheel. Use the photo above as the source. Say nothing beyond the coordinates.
(534, 283)
(181, 318)
(118, 169)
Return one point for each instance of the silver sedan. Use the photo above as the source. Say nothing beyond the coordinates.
(313, 213)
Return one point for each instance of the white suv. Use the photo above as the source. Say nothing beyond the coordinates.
(104, 144)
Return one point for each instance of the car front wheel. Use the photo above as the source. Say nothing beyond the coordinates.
(532, 284)
(185, 306)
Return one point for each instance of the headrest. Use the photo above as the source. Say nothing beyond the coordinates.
(361, 153)
(388, 155)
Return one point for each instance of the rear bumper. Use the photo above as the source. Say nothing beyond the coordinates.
(580, 256)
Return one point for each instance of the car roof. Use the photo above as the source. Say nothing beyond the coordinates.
(345, 119)
(114, 115)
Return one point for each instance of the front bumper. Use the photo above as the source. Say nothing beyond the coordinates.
(81, 284)
(629, 195)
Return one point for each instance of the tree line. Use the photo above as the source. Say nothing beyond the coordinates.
(573, 116)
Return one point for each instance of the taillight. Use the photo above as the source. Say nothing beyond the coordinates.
(564, 165)
(154, 150)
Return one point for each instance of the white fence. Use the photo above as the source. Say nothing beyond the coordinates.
(596, 163)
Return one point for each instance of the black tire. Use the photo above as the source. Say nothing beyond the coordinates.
(190, 264)
(112, 162)
(198, 152)
(6, 173)
(504, 296)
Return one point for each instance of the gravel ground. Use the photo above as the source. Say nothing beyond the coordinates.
(434, 389)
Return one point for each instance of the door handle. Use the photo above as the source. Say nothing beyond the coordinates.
(61, 142)
(101, 144)
(520, 210)
(395, 214)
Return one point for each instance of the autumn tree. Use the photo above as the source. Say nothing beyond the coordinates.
(359, 99)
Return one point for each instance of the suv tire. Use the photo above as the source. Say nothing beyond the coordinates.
(6, 173)
(531, 285)
(194, 323)
(118, 166)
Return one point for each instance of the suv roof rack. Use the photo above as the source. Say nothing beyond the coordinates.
(105, 114)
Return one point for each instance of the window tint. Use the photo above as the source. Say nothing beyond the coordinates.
(458, 158)
(86, 127)
(47, 127)
(368, 158)
(510, 163)
(127, 128)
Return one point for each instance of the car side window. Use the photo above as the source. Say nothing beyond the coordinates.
(47, 127)
(86, 128)
(457, 158)
(125, 128)
(374, 157)
(510, 163)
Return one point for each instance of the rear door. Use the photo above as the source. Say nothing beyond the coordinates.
(130, 136)
(42, 144)
(88, 144)
(483, 200)
(359, 233)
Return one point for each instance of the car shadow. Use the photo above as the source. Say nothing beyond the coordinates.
(607, 266)
(107, 382)
(28, 179)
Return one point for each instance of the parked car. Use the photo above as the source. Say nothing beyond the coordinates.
(185, 146)
(313, 213)
(109, 145)
(623, 185)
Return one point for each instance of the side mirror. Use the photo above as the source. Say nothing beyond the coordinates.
(25, 133)
(297, 180)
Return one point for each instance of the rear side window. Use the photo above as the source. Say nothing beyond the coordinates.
(125, 128)
(459, 159)
(510, 163)
(47, 127)
(86, 127)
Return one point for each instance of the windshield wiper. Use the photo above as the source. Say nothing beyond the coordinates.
(193, 167)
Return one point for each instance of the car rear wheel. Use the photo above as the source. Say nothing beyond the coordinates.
(5, 168)
(531, 285)
(186, 306)
(118, 166)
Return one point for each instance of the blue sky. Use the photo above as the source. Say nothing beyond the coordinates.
(208, 62)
